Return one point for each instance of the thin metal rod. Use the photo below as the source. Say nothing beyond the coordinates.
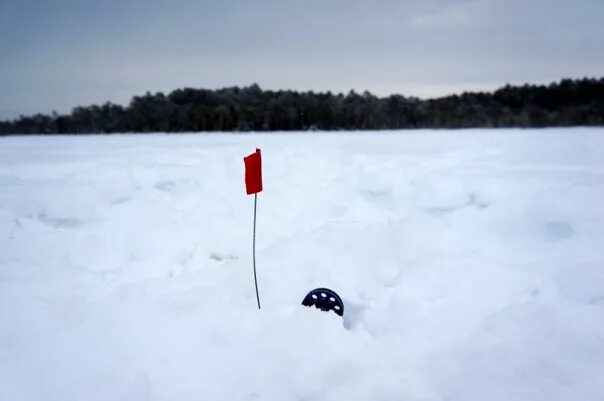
(254, 249)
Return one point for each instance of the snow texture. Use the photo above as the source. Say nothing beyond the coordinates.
(471, 266)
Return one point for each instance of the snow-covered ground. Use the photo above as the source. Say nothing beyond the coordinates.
(471, 264)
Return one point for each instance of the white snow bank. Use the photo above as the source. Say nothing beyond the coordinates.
(470, 264)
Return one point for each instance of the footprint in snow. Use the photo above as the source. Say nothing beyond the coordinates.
(165, 186)
(222, 258)
(58, 223)
(557, 231)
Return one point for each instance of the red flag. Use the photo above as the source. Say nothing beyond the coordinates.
(253, 172)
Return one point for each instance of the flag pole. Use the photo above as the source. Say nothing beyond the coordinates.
(254, 249)
(253, 185)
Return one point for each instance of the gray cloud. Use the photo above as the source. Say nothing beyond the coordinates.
(63, 53)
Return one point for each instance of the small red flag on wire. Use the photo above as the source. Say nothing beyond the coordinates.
(253, 185)
(253, 172)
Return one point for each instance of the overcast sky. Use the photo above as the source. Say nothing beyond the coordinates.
(57, 54)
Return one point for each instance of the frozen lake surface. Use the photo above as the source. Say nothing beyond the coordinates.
(471, 265)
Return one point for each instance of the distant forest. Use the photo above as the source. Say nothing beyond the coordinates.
(565, 103)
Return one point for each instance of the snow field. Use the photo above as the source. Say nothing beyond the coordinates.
(470, 264)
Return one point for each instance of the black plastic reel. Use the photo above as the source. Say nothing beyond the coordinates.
(324, 299)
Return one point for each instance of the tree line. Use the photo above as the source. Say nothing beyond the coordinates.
(578, 102)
